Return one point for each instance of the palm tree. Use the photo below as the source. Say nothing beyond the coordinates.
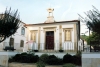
(9, 23)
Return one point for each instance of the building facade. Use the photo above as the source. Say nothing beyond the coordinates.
(54, 35)
(49, 35)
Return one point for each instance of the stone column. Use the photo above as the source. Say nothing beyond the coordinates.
(39, 38)
(60, 36)
(75, 38)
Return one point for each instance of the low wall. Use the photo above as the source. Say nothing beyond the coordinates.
(90, 59)
(4, 56)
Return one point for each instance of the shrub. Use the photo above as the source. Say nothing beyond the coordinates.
(44, 58)
(67, 58)
(11, 60)
(29, 58)
(52, 56)
(17, 57)
(35, 58)
(24, 58)
(79, 53)
(24, 53)
(53, 60)
(77, 60)
(69, 65)
(40, 64)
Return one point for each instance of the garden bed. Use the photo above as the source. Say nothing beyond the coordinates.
(45, 60)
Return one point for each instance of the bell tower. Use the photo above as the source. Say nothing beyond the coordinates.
(50, 17)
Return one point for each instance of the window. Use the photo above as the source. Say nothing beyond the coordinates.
(68, 35)
(11, 42)
(21, 43)
(33, 37)
(23, 31)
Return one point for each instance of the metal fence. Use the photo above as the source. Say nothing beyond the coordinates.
(94, 46)
(66, 46)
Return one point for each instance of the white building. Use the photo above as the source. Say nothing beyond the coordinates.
(54, 35)
(50, 35)
(17, 40)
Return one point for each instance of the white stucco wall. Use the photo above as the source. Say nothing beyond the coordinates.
(68, 45)
(42, 37)
(57, 38)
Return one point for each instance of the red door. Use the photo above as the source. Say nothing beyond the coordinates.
(49, 40)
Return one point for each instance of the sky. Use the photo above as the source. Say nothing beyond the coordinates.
(35, 11)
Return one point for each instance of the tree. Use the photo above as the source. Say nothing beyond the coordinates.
(92, 20)
(84, 37)
(93, 37)
(9, 23)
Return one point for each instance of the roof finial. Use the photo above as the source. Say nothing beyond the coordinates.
(50, 17)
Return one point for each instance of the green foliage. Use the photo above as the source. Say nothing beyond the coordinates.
(24, 58)
(69, 65)
(93, 37)
(53, 60)
(44, 58)
(92, 20)
(84, 37)
(35, 58)
(11, 60)
(9, 23)
(17, 57)
(79, 53)
(40, 64)
(24, 53)
(67, 58)
(50, 59)
(76, 60)
(52, 56)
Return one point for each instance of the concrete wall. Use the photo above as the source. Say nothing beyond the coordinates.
(4, 56)
(90, 59)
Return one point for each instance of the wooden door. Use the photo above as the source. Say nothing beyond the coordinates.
(49, 40)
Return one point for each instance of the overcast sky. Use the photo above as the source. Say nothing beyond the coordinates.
(35, 11)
